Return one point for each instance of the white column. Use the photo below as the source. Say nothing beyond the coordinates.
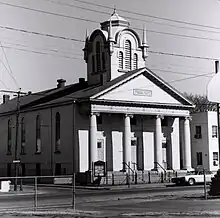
(127, 141)
(187, 145)
(158, 143)
(92, 140)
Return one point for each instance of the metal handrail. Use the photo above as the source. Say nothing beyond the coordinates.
(128, 166)
(160, 166)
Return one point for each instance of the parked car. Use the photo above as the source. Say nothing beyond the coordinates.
(193, 177)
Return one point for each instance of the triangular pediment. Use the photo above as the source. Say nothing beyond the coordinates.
(143, 87)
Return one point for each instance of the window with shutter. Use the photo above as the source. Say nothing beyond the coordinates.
(127, 55)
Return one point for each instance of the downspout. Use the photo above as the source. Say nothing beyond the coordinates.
(51, 142)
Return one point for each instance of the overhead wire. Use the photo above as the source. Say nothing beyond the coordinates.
(93, 21)
(9, 67)
(147, 15)
(133, 18)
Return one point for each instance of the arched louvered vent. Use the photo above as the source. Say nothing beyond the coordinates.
(135, 61)
(120, 60)
(127, 55)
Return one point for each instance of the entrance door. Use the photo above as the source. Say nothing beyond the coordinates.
(134, 153)
(100, 150)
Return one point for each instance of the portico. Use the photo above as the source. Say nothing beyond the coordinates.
(156, 115)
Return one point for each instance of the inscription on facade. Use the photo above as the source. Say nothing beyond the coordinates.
(142, 92)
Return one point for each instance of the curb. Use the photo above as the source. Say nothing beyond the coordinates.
(51, 213)
(174, 214)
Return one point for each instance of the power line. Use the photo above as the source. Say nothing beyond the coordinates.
(47, 12)
(41, 53)
(39, 34)
(184, 56)
(179, 73)
(89, 20)
(10, 70)
(133, 18)
(146, 15)
(46, 49)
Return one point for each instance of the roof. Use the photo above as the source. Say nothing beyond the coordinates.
(116, 17)
(90, 91)
(81, 91)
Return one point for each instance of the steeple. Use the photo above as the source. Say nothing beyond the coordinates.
(110, 38)
(144, 43)
(86, 46)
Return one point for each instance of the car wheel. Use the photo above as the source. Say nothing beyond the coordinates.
(191, 181)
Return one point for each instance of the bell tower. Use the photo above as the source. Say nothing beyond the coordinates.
(113, 50)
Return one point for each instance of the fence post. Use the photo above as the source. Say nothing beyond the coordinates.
(113, 179)
(35, 193)
(74, 191)
(149, 179)
(161, 177)
(21, 185)
(135, 178)
(176, 174)
(142, 173)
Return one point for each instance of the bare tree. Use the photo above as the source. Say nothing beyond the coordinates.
(201, 103)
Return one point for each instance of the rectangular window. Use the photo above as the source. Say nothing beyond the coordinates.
(198, 134)
(199, 158)
(215, 158)
(214, 132)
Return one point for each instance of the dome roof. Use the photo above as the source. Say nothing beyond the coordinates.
(116, 17)
(116, 20)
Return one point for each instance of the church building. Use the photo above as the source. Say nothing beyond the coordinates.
(122, 114)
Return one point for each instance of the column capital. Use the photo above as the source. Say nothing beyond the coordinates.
(129, 115)
(159, 116)
(188, 118)
(94, 113)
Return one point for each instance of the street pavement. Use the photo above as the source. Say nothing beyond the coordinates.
(141, 200)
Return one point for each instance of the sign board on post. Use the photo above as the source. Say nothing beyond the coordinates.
(99, 169)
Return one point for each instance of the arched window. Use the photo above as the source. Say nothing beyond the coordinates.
(98, 57)
(127, 55)
(38, 134)
(57, 133)
(120, 60)
(135, 61)
(9, 137)
(103, 61)
(22, 136)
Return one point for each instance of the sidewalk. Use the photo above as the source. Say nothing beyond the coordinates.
(113, 187)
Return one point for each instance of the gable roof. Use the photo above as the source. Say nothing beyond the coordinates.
(94, 91)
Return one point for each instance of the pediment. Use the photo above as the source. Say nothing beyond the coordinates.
(143, 87)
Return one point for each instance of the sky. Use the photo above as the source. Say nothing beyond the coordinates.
(33, 61)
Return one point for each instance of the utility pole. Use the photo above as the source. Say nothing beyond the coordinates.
(16, 139)
(217, 106)
(16, 162)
